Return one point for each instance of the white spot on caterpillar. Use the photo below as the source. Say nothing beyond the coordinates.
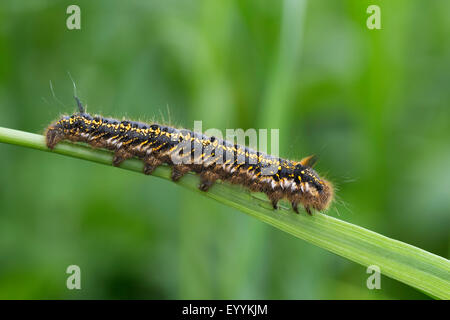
(307, 187)
(288, 183)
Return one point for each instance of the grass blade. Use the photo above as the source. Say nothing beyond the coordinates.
(411, 265)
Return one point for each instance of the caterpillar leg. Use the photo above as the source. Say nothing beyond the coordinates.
(274, 197)
(53, 137)
(179, 171)
(207, 180)
(295, 206)
(150, 164)
(120, 156)
(274, 203)
(308, 209)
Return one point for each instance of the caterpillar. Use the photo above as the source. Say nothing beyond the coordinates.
(212, 158)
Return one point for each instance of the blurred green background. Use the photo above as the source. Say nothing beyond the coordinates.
(374, 104)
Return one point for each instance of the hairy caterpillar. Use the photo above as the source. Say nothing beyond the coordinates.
(209, 157)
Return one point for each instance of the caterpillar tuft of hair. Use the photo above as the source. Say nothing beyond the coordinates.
(210, 157)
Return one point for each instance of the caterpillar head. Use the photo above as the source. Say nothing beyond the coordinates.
(314, 191)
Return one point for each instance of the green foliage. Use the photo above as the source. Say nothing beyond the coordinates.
(373, 104)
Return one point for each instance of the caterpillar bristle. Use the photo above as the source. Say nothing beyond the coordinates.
(210, 157)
